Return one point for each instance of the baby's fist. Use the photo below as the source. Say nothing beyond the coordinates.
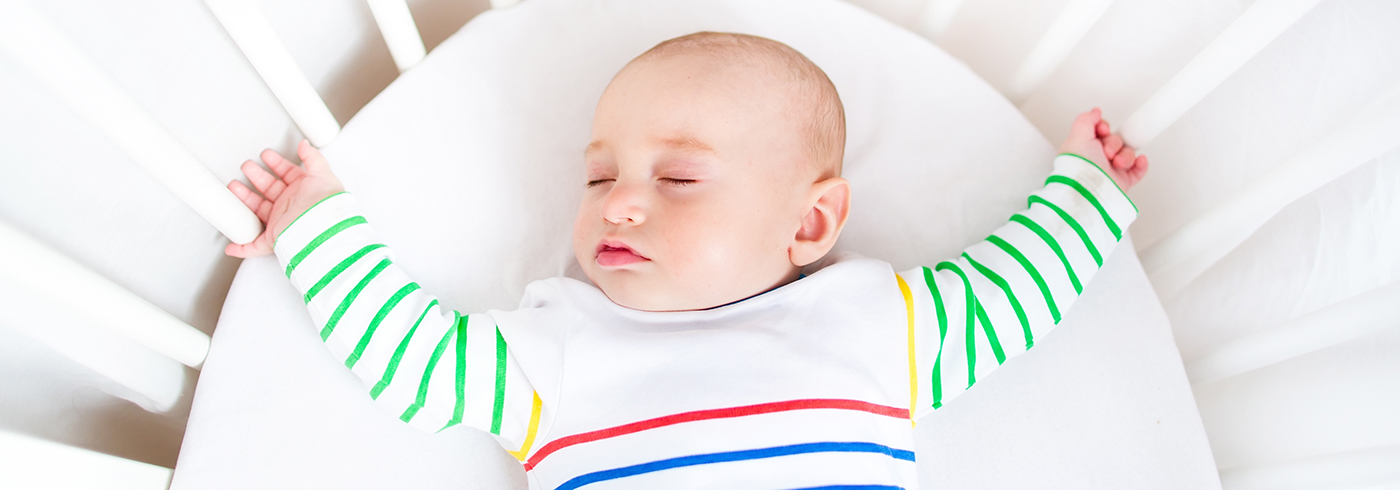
(1090, 137)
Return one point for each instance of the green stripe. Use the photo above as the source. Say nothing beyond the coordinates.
(350, 298)
(303, 213)
(1054, 245)
(428, 372)
(991, 333)
(1030, 268)
(378, 318)
(1105, 174)
(398, 355)
(937, 382)
(1089, 244)
(316, 242)
(971, 321)
(1010, 297)
(461, 373)
(1088, 196)
(499, 410)
(335, 271)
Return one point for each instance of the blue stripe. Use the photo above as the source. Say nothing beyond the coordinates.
(771, 452)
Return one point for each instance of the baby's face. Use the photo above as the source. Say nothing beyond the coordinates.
(697, 183)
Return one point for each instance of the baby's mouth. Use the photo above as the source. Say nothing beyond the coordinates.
(613, 254)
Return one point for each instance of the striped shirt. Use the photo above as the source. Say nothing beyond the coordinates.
(815, 384)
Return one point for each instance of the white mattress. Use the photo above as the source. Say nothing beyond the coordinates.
(469, 164)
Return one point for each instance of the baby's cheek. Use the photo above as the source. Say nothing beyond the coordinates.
(700, 251)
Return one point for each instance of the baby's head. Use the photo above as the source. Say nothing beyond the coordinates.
(713, 174)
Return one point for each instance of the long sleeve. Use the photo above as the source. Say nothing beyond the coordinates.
(430, 366)
(969, 314)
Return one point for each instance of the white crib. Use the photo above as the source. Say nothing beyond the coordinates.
(1195, 252)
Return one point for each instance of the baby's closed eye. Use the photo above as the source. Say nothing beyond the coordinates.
(676, 182)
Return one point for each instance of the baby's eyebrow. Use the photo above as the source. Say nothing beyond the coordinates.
(594, 147)
(687, 144)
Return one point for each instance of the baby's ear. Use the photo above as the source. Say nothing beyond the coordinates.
(829, 205)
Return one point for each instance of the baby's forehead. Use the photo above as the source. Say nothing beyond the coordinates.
(761, 69)
(752, 75)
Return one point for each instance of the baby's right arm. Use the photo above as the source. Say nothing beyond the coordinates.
(431, 367)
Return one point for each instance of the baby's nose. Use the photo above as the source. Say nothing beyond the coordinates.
(617, 220)
(624, 205)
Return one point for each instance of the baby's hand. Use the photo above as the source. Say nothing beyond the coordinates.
(284, 196)
(1089, 137)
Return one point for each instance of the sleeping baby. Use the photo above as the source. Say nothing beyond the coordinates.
(718, 345)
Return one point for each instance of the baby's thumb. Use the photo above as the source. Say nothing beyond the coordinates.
(311, 158)
(1083, 126)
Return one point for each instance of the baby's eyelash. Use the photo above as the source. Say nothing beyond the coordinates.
(593, 183)
(678, 182)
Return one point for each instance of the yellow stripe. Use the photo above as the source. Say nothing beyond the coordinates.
(913, 373)
(530, 434)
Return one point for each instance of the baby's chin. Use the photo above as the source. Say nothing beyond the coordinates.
(640, 291)
(636, 294)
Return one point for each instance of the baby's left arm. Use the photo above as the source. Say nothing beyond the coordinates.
(971, 313)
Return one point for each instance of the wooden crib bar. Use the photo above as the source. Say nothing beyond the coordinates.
(1371, 468)
(936, 16)
(250, 30)
(28, 462)
(395, 23)
(48, 274)
(42, 50)
(1343, 321)
(1177, 259)
(1259, 25)
(75, 312)
(1054, 46)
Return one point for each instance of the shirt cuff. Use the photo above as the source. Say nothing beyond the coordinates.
(326, 228)
(1111, 198)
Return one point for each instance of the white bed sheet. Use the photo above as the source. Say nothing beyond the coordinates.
(468, 166)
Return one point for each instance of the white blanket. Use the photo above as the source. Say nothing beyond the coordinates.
(469, 167)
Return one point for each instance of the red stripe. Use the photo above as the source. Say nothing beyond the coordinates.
(717, 413)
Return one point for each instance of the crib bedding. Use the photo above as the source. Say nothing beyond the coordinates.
(468, 165)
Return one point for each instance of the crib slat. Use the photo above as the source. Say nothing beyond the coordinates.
(28, 462)
(937, 16)
(248, 27)
(400, 33)
(49, 275)
(1245, 37)
(1054, 46)
(1346, 320)
(1175, 260)
(149, 380)
(1373, 467)
(43, 51)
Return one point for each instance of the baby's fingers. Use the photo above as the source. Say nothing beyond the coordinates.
(1124, 159)
(311, 157)
(1139, 169)
(268, 185)
(288, 171)
(1111, 145)
(256, 248)
(255, 203)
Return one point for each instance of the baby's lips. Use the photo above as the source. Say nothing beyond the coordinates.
(615, 245)
(614, 253)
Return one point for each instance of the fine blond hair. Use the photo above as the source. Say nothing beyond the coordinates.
(825, 116)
